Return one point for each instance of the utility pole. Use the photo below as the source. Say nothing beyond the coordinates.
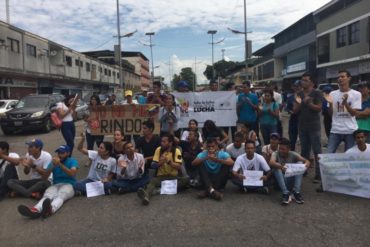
(151, 52)
(246, 38)
(121, 82)
(223, 54)
(7, 11)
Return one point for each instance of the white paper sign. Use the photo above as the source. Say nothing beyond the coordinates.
(294, 170)
(95, 189)
(253, 178)
(169, 187)
(346, 173)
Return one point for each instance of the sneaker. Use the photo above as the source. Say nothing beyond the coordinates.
(202, 194)
(32, 213)
(46, 208)
(285, 199)
(297, 197)
(216, 195)
(143, 195)
(36, 195)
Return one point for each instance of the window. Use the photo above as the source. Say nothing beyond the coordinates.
(100, 69)
(14, 45)
(354, 33)
(87, 67)
(31, 50)
(81, 64)
(114, 73)
(118, 75)
(105, 72)
(109, 72)
(341, 37)
(77, 62)
(69, 61)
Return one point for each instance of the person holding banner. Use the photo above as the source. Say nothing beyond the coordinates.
(169, 116)
(156, 97)
(278, 162)
(64, 169)
(168, 160)
(213, 169)
(102, 169)
(251, 161)
(130, 171)
(66, 111)
(361, 145)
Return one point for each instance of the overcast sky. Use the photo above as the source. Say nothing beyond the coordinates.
(180, 26)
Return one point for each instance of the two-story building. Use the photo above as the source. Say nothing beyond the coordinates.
(264, 68)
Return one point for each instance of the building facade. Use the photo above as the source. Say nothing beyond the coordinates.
(32, 64)
(264, 71)
(343, 39)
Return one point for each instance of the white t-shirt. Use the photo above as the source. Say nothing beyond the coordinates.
(132, 170)
(356, 150)
(235, 152)
(256, 164)
(100, 168)
(43, 162)
(134, 102)
(185, 134)
(342, 121)
(68, 117)
(6, 163)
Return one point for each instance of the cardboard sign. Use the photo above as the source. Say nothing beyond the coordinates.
(129, 119)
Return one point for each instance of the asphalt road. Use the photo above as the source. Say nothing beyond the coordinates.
(325, 219)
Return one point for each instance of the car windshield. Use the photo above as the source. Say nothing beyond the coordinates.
(2, 104)
(29, 102)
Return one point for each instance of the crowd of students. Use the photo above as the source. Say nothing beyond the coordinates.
(198, 159)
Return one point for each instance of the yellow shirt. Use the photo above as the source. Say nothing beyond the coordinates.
(166, 169)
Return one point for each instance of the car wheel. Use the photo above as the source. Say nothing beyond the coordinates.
(48, 126)
(6, 131)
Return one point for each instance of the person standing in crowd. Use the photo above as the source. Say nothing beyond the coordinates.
(64, 169)
(251, 161)
(344, 104)
(237, 147)
(142, 98)
(128, 98)
(277, 162)
(111, 100)
(361, 146)
(192, 126)
(92, 139)
(278, 100)
(269, 149)
(183, 86)
(308, 104)
(148, 143)
(293, 119)
(269, 114)
(66, 111)
(213, 86)
(363, 116)
(8, 170)
(210, 130)
(214, 166)
(156, 97)
(191, 147)
(118, 143)
(168, 160)
(102, 169)
(169, 116)
(130, 171)
(247, 107)
(36, 162)
(325, 111)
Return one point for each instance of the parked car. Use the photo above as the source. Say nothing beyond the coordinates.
(6, 105)
(81, 109)
(32, 112)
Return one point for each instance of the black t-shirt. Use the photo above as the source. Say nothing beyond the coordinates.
(147, 148)
(189, 154)
(308, 118)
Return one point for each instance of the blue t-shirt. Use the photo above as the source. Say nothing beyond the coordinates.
(141, 100)
(211, 166)
(267, 118)
(247, 113)
(59, 176)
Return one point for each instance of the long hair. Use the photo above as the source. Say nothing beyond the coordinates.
(96, 97)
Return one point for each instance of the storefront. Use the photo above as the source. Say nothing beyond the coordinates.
(15, 88)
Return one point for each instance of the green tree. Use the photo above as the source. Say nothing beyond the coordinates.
(222, 69)
(187, 75)
(175, 79)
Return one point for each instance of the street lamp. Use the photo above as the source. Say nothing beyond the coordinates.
(212, 32)
(151, 52)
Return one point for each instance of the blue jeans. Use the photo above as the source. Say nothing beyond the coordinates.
(81, 186)
(69, 132)
(266, 130)
(130, 185)
(336, 139)
(285, 182)
(91, 140)
(311, 139)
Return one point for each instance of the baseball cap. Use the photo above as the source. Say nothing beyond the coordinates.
(128, 93)
(63, 149)
(182, 84)
(35, 143)
(275, 135)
